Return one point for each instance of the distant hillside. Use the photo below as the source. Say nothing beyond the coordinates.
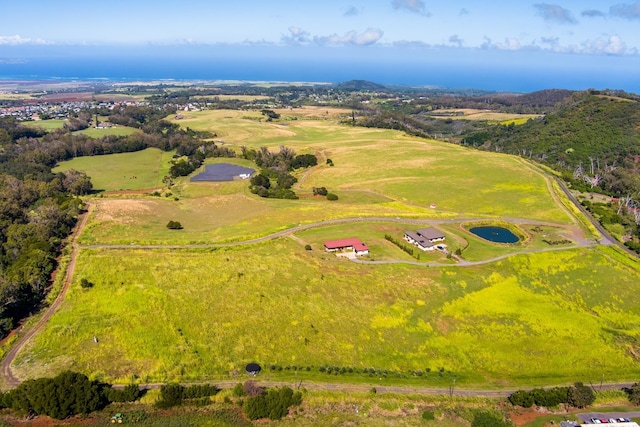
(596, 133)
(360, 85)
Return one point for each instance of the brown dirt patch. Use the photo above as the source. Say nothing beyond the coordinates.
(123, 211)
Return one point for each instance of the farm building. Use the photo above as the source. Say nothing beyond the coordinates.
(425, 238)
(347, 245)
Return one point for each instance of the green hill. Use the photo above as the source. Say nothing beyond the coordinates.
(594, 134)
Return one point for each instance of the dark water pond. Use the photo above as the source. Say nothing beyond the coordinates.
(495, 234)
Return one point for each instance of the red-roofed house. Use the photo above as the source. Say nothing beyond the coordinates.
(351, 245)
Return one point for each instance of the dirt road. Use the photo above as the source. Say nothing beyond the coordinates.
(6, 371)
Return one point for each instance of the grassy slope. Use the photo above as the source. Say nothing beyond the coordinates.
(376, 173)
(126, 171)
(530, 319)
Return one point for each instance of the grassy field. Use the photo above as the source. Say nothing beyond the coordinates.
(112, 131)
(193, 315)
(48, 125)
(413, 175)
(475, 114)
(127, 171)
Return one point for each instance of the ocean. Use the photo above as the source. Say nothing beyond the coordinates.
(476, 69)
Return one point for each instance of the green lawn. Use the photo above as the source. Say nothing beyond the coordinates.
(127, 171)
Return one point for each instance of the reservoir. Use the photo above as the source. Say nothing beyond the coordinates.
(495, 234)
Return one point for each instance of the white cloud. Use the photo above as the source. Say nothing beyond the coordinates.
(352, 11)
(627, 11)
(455, 39)
(613, 45)
(555, 13)
(19, 40)
(510, 43)
(415, 6)
(296, 36)
(369, 37)
(593, 13)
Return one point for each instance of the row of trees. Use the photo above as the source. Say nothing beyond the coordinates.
(271, 403)
(578, 396)
(68, 394)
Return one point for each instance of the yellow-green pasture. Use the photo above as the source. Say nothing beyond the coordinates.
(531, 319)
(411, 171)
(485, 115)
(92, 132)
(47, 125)
(377, 173)
(124, 171)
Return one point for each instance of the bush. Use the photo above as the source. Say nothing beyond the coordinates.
(170, 395)
(200, 390)
(428, 416)
(68, 394)
(488, 419)
(332, 196)
(238, 390)
(174, 225)
(307, 247)
(86, 283)
(130, 393)
(274, 404)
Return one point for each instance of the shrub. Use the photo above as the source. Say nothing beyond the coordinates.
(332, 196)
(307, 247)
(130, 393)
(200, 390)
(170, 395)
(428, 416)
(86, 283)
(274, 404)
(238, 390)
(174, 225)
(488, 419)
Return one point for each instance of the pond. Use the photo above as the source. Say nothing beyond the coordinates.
(223, 172)
(495, 234)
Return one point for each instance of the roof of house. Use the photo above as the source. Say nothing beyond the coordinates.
(345, 243)
(425, 243)
(430, 233)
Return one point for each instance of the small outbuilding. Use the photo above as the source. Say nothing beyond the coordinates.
(253, 369)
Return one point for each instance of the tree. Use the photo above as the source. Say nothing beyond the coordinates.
(170, 395)
(174, 225)
(580, 396)
(633, 393)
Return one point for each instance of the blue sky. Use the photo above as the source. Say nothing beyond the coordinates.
(462, 33)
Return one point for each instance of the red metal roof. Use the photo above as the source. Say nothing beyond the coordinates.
(345, 243)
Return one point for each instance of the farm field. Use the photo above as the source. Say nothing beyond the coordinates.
(187, 313)
(92, 132)
(48, 125)
(460, 182)
(474, 114)
(123, 171)
(192, 315)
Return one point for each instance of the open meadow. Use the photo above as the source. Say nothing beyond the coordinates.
(376, 173)
(203, 314)
(531, 317)
(125, 171)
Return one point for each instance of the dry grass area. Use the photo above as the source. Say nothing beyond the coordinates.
(475, 114)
